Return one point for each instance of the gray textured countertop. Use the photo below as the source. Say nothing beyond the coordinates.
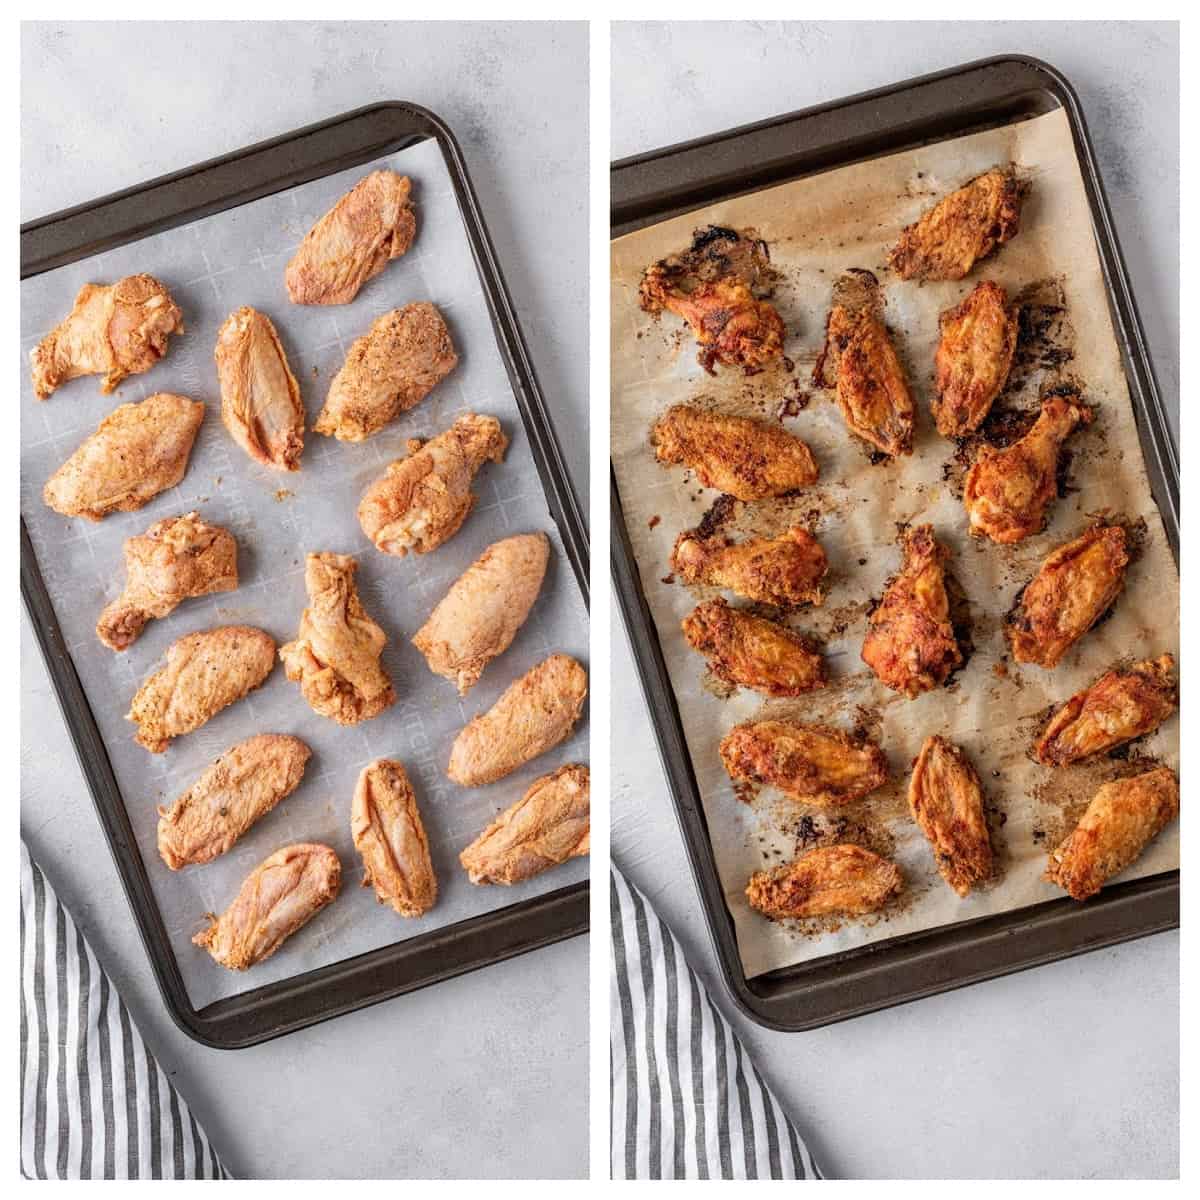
(1071, 1070)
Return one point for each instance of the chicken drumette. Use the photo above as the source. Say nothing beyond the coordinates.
(785, 571)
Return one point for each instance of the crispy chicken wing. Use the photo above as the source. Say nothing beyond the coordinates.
(335, 657)
(910, 642)
(550, 824)
(174, 560)
(962, 228)
(1121, 705)
(370, 225)
(116, 330)
(403, 356)
(421, 501)
(785, 571)
(137, 451)
(842, 880)
(205, 673)
(479, 616)
(1121, 821)
(1072, 590)
(241, 787)
(534, 715)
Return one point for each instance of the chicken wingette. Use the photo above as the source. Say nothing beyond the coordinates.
(785, 571)
(842, 880)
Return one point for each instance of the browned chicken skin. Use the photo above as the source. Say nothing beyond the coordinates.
(1072, 590)
(785, 571)
(1121, 705)
(174, 560)
(749, 459)
(116, 330)
(842, 880)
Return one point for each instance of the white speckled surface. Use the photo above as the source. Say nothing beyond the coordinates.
(1070, 1070)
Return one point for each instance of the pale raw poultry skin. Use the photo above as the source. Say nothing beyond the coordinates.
(335, 656)
(260, 398)
(369, 226)
(534, 715)
(390, 369)
(116, 330)
(205, 673)
(240, 788)
(842, 880)
(385, 823)
(785, 571)
(176, 559)
(280, 895)
(479, 616)
(137, 451)
(549, 825)
(421, 501)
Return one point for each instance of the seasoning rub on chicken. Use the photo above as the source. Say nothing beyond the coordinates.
(842, 880)
(785, 571)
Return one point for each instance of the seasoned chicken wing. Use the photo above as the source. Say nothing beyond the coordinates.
(785, 571)
(749, 459)
(1072, 590)
(260, 398)
(974, 357)
(137, 451)
(403, 356)
(1121, 821)
(752, 652)
(1121, 705)
(241, 787)
(205, 673)
(813, 763)
(174, 560)
(962, 228)
(550, 824)
(280, 895)
(421, 501)
(534, 715)
(335, 657)
(1007, 491)
(386, 826)
(116, 330)
(479, 616)
(910, 642)
(370, 225)
(947, 803)
(841, 880)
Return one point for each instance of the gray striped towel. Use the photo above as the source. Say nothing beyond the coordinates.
(687, 1102)
(94, 1103)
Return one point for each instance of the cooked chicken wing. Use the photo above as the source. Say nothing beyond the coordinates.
(116, 330)
(174, 560)
(280, 895)
(241, 787)
(785, 571)
(479, 616)
(1121, 705)
(910, 642)
(1007, 491)
(1121, 821)
(205, 673)
(842, 880)
(550, 824)
(813, 763)
(421, 501)
(335, 657)
(947, 803)
(386, 826)
(370, 225)
(1072, 590)
(137, 451)
(534, 715)
(749, 459)
(752, 652)
(403, 356)
(974, 357)
(962, 228)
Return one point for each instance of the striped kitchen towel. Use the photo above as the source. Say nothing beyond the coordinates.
(687, 1102)
(94, 1103)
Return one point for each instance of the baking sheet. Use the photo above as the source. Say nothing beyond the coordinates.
(816, 228)
(211, 267)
